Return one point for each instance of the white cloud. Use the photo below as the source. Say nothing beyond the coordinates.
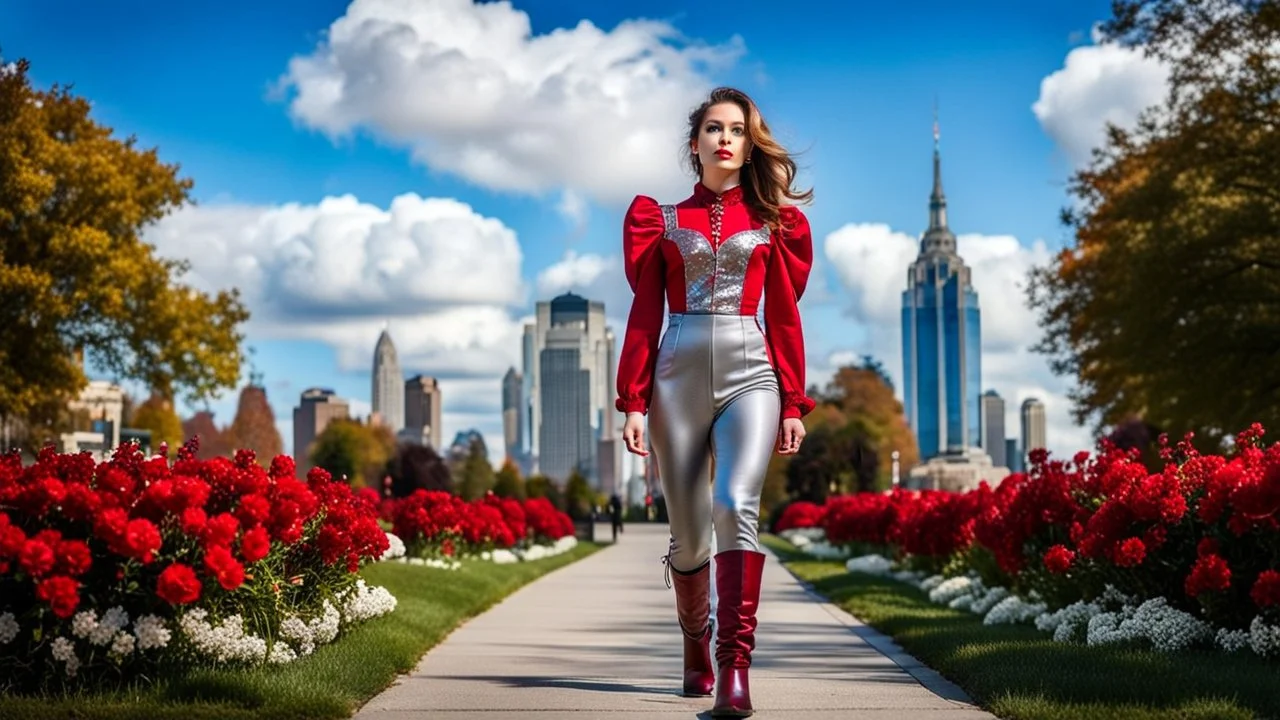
(470, 90)
(871, 261)
(345, 257)
(444, 279)
(1098, 84)
(595, 277)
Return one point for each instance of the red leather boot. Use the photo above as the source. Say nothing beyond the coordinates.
(738, 588)
(693, 608)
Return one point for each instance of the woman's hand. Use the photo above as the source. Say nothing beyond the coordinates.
(790, 434)
(633, 434)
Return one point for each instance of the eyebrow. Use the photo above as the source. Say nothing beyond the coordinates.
(735, 122)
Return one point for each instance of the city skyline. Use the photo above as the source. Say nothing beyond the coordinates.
(355, 215)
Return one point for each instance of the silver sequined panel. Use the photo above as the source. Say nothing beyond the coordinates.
(713, 281)
(731, 268)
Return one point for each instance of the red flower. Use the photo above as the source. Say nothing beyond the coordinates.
(62, 593)
(224, 567)
(193, 521)
(1210, 572)
(255, 544)
(1058, 559)
(74, 558)
(1266, 590)
(36, 558)
(253, 510)
(110, 527)
(143, 539)
(11, 538)
(1131, 552)
(178, 585)
(221, 530)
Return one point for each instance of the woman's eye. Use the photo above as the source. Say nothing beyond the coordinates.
(738, 131)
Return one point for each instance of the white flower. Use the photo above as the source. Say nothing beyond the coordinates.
(395, 549)
(63, 649)
(1264, 638)
(870, 564)
(362, 602)
(281, 653)
(113, 621)
(8, 628)
(931, 582)
(224, 642)
(989, 599)
(84, 623)
(952, 588)
(151, 632)
(1232, 640)
(1013, 609)
(123, 644)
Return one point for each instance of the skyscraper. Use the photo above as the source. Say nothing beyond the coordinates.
(567, 439)
(1033, 426)
(993, 427)
(388, 384)
(513, 416)
(586, 318)
(423, 412)
(941, 338)
(316, 409)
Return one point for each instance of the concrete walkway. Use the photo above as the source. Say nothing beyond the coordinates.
(599, 639)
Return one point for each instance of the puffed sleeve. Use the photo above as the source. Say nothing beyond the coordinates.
(642, 230)
(787, 275)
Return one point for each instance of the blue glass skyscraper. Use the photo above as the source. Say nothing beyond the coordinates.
(941, 338)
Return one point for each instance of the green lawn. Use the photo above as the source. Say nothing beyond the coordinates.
(1020, 672)
(337, 678)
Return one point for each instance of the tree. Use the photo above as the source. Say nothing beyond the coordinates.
(1164, 307)
(477, 476)
(76, 275)
(508, 483)
(418, 467)
(156, 414)
(864, 392)
(578, 496)
(339, 448)
(254, 427)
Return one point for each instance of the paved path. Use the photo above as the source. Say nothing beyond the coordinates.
(599, 639)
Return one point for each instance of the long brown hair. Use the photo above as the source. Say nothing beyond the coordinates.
(769, 172)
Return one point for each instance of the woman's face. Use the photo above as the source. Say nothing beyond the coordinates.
(722, 139)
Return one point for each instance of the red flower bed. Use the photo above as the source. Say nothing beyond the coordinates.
(154, 538)
(436, 523)
(1202, 532)
(799, 514)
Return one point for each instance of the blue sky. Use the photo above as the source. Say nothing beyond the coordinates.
(242, 96)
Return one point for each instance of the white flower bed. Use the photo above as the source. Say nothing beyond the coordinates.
(813, 541)
(221, 642)
(1114, 617)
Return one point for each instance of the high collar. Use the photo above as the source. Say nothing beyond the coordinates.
(705, 196)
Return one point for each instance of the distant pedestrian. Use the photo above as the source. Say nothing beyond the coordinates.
(615, 515)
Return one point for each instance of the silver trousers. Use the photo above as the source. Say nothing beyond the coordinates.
(713, 425)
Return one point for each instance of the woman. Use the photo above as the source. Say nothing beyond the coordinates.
(720, 393)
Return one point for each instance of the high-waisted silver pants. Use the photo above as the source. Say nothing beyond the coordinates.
(713, 425)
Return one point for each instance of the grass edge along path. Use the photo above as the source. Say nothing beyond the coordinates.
(338, 678)
(1017, 671)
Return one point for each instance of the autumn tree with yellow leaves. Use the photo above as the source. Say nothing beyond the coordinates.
(76, 275)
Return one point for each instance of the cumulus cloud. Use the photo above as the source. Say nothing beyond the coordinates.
(348, 258)
(469, 89)
(871, 262)
(1097, 84)
(444, 279)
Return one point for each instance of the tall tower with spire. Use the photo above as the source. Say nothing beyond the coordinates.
(941, 337)
(388, 384)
